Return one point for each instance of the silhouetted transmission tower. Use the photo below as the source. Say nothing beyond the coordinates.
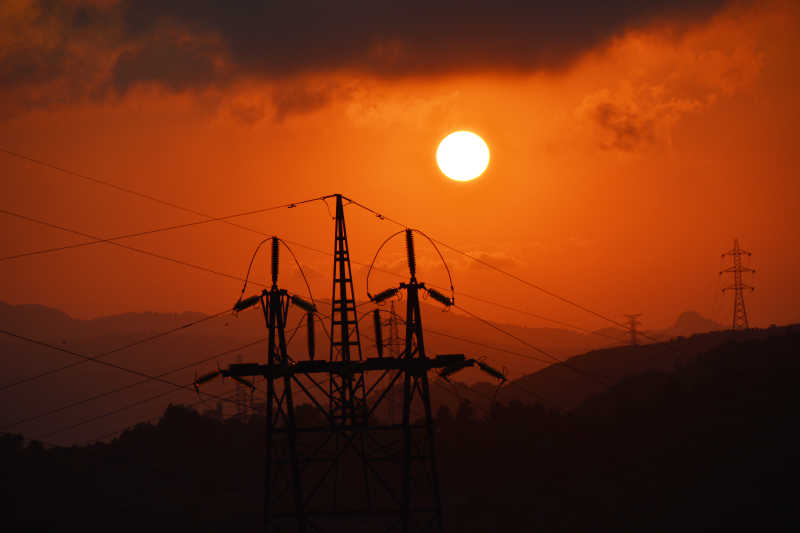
(632, 323)
(739, 312)
(335, 465)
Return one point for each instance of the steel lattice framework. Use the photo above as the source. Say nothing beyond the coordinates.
(633, 323)
(739, 321)
(331, 463)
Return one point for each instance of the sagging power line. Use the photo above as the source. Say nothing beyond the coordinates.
(378, 214)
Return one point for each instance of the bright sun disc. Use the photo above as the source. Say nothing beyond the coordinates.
(462, 156)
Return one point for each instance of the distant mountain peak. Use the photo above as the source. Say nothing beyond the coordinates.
(693, 322)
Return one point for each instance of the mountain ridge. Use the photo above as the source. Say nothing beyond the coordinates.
(175, 355)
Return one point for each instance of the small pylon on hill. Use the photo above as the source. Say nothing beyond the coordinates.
(632, 331)
(739, 321)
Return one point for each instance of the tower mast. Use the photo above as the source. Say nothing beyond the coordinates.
(632, 323)
(739, 321)
(347, 392)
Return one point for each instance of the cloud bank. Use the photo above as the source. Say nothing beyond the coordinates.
(85, 48)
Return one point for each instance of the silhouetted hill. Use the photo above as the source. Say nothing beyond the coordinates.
(174, 354)
(168, 355)
(31, 318)
(566, 385)
(190, 351)
(687, 324)
(710, 444)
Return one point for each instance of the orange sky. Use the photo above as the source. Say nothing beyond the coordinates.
(617, 176)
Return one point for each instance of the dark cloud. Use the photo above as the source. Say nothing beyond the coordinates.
(194, 44)
(388, 38)
(28, 64)
(293, 100)
(177, 66)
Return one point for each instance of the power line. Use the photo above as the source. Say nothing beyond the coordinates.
(555, 359)
(121, 409)
(428, 330)
(492, 399)
(152, 418)
(115, 350)
(90, 178)
(495, 268)
(379, 215)
(109, 413)
(323, 198)
(465, 295)
(130, 386)
(206, 269)
(141, 233)
(134, 249)
(292, 205)
(489, 346)
(226, 394)
(511, 352)
(540, 317)
(358, 204)
(104, 363)
(482, 344)
(228, 275)
(354, 202)
(528, 283)
(120, 188)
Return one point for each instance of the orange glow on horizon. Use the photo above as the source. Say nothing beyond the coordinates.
(616, 180)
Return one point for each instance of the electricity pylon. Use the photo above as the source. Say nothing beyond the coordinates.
(243, 397)
(348, 404)
(393, 341)
(336, 466)
(632, 323)
(739, 321)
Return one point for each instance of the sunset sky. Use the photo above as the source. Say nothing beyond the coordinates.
(630, 142)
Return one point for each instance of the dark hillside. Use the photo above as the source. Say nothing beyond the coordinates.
(709, 445)
(565, 386)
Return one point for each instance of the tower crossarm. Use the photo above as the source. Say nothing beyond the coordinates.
(734, 287)
(414, 365)
(740, 268)
(736, 251)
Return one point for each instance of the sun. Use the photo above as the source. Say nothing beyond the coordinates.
(462, 156)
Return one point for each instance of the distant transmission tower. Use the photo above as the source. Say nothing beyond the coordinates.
(739, 312)
(632, 323)
(242, 396)
(392, 344)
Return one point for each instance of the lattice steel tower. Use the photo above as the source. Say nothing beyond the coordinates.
(739, 321)
(333, 464)
(347, 396)
(632, 331)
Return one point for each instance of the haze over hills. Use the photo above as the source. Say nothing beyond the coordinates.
(708, 445)
(174, 356)
(688, 323)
